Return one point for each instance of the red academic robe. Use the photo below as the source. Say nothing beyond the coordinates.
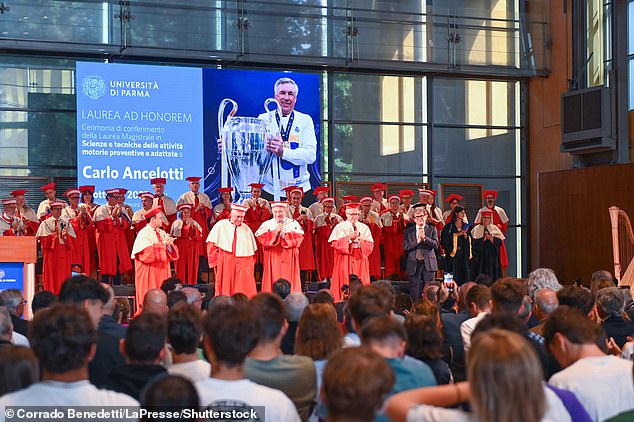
(188, 244)
(91, 233)
(201, 216)
(281, 259)
(393, 246)
(349, 260)
(80, 253)
(254, 217)
(56, 250)
(233, 274)
(152, 267)
(306, 252)
(324, 253)
(112, 246)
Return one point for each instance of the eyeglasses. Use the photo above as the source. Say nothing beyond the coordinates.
(353, 214)
(419, 216)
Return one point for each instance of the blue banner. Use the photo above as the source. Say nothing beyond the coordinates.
(138, 122)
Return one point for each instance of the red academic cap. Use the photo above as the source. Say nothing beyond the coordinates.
(151, 212)
(394, 198)
(328, 199)
(112, 191)
(349, 197)
(193, 179)
(452, 197)
(366, 198)
(57, 204)
(406, 192)
(72, 191)
(18, 192)
(85, 188)
(426, 191)
(47, 187)
(223, 190)
(490, 192)
(487, 214)
(378, 186)
(183, 206)
(290, 189)
(146, 195)
(434, 192)
(320, 189)
(352, 206)
(257, 185)
(160, 180)
(123, 191)
(6, 202)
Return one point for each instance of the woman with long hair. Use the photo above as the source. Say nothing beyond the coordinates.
(455, 239)
(505, 385)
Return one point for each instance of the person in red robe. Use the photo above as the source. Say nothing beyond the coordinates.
(280, 238)
(353, 244)
(453, 200)
(87, 195)
(25, 213)
(153, 250)
(55, 236)
(164, 202)
(114, 259)
(324, 224)
(202, 211)
(500, 219)
(78, 217)
(374, 222)
(379, 203)
(138, 218)
(393, 229)
(10, 224)
(231, 248)
(126, 213)
(43, 210)
(320, 193)
(346, 199)
(222, 211)
(302, 215)
(258, 211)
(187, 233)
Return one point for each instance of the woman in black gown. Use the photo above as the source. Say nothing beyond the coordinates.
(456, 242)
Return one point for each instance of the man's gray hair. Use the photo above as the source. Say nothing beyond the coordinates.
(11, 298)
(611, 300)
(601, 275)
(282, 81)
(5, 324)
(295, 304)
(542, 278)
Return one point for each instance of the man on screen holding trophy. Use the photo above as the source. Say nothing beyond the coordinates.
(294, 143)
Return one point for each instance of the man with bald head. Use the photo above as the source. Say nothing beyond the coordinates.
(193, 296)
(155, 302)
(545, 304)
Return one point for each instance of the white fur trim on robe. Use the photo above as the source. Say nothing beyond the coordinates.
(344, 229)
(147, 237)
(290, 226)
(478, 231)
(221, 235)
(177, 227)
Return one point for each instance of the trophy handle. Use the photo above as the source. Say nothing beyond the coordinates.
(275, 168)
(224, 174)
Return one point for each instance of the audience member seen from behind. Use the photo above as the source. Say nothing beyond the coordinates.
(231, 333)
(356, 383)
(169, 393)
(424, 342)
(19, 368)
(610, 306)
(295, 304)
(293, 375)
(505, 385)
(541, 278)
(282, 288)
(602, 383)
(64, 341)
(184, 334)
(42, 300)
(14, 302)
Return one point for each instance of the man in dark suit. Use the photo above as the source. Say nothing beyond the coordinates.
(419, 242)
(13, 300)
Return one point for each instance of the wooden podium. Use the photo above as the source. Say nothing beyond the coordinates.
(22, 249)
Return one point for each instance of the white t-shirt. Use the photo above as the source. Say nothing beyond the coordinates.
(197, 370)
(278, 407)
(57, 393)
(467, 327)
(602, 384)
(555, 412)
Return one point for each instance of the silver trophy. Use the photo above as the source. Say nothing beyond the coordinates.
(244, 154)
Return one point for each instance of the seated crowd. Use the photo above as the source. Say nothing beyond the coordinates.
(511, 350)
